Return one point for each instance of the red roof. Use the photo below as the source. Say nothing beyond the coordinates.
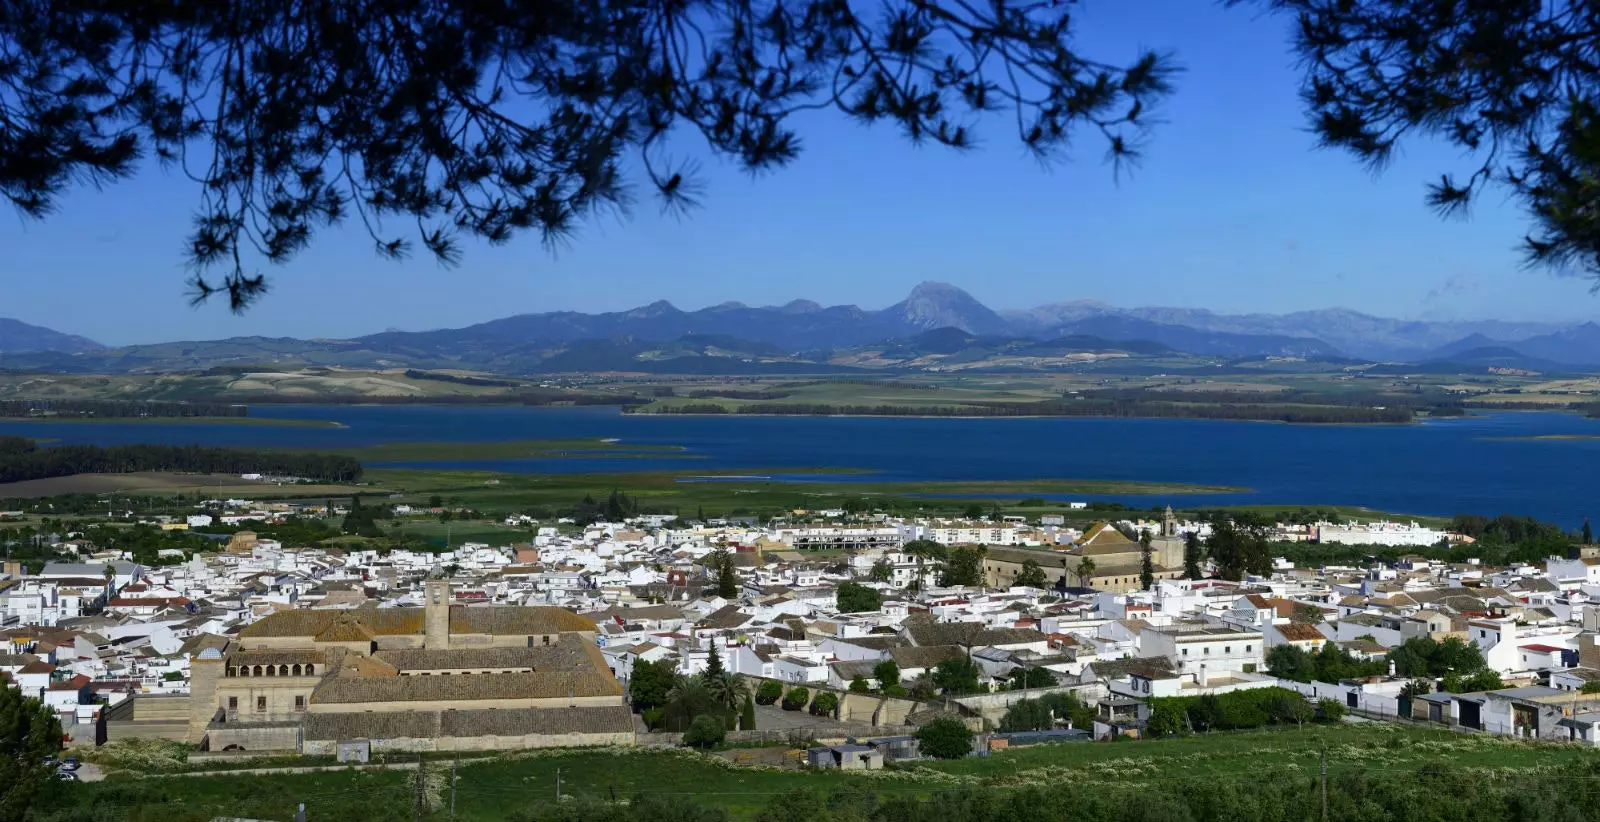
(36, 667)
(1543, 649)
(130, 602)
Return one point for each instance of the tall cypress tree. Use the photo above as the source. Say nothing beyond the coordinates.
(1588, 533)
(1147, 565)
(1191, 555)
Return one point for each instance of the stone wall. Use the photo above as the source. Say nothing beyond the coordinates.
(864, 709)
(330, 747)
(993, 706)
(275, 737)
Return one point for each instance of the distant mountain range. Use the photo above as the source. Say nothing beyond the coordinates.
(937, 326)
(16, 336)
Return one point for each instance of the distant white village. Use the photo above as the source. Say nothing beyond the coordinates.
(229, 647)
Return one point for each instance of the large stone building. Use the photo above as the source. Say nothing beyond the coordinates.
(1116, 559)
(442, 677)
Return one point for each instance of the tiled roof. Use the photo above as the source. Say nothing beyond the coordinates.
(277, 658)
(502, 620)
(567, 654)
(468, 687)
(432, 724)
(924, 656)
(1295, 632)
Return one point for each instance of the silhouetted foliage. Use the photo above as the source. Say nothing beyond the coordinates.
(490, 119)
(1512, 83)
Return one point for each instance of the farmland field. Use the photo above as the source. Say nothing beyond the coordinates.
(497, 788)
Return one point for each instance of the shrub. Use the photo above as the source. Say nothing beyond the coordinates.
(651, 717)
(796, 699)
(1330, 710)
(944, 738)
(859, 686)
(825, 704)
(705, 732)
(769, 693)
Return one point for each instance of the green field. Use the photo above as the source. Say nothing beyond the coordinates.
(497, 788)
(748, 491)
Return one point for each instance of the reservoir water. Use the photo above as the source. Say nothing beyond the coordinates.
(1487, 464)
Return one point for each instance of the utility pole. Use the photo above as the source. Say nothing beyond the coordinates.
(453, 764)
(558, 786)
(1324, 783)
(421, 788)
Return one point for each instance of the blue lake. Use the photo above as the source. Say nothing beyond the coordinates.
(1444, 467)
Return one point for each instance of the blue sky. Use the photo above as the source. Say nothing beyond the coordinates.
(1233, 209)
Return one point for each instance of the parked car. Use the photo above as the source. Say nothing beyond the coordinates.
(70, 764)
(67, 776)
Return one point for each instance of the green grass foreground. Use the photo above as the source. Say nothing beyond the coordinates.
(502, 786)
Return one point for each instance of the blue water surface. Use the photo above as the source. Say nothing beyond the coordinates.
(1474, 464)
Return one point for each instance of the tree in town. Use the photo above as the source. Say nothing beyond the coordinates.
(1147, 565)
(858, 685)
(1027, 677)
(728, 689)
(1305, 614)
(649, 683)
(1166, 719)
(955, 677)
(796, 698)
(1085, 572)
(1587, 533)
(690, 698)
(927, 549)
(1511, 84)
(825, 704)
(944, 738)
(1026, 715)
(1191, 555)
(769, 692)
(705, 732)
(882, 571)
(747, 714)
(713, 663)
(964, 566)
(727, 577)
(854, 598)
(887, 673)
(29, 732)
(1031, 576)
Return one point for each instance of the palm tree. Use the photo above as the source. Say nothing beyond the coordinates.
(726, 689)
(688, 698)
(1085, 571)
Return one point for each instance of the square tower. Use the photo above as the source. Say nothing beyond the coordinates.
(437, 614)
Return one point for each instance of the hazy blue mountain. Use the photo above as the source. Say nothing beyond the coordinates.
(936, 320)
(1196, 341)
(16, 336)
(1579, 345)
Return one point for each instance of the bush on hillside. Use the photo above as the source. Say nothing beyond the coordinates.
(796, 699)
(769, 693)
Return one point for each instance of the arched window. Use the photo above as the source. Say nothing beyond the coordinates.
(258, 670)
(272, 670)
(232, 671)
(296, 669)
(310, 669)
(283, 670)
